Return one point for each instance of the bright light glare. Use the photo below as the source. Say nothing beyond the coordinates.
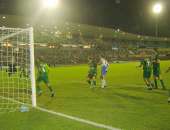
(50, 3)
(157, 8)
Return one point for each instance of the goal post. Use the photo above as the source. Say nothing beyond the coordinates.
(17, 70)
(32, 66)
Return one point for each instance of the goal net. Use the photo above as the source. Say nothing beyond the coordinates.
(17, 81)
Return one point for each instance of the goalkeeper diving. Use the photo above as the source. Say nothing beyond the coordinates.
(42, 76)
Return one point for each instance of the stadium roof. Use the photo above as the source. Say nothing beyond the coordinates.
(129, 15)
(74, 28)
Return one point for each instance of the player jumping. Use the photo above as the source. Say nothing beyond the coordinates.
(147, 71)
(43, 70)
(157, 72)
(92, 73)
(104, 68)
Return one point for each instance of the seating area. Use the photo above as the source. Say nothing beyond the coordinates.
(64, 42)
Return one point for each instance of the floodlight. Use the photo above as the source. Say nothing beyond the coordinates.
(50, 3)
(3, 17)
(157, 8)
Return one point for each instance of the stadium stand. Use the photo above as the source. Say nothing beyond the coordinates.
(71, 43)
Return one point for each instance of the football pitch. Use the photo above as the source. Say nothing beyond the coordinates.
(125, 103)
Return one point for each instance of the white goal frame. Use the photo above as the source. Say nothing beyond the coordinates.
(32, 64)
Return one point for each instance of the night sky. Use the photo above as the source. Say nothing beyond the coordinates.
(129, 15)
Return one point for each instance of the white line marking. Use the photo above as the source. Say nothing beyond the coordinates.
(92, 123)
(78, 119)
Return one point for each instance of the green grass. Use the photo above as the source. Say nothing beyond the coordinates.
(125, 103)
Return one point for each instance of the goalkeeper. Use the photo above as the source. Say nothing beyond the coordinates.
(42, 76)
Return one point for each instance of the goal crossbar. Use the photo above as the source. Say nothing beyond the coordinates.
(2, 38)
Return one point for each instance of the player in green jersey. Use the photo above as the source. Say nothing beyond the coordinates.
(147, 71)
(157, 72)
(42, 76)
(92, 73)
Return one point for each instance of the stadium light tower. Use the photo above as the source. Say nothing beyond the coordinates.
(157, 9)
(50, 4)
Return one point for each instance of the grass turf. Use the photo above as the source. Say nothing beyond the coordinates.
(125, 103)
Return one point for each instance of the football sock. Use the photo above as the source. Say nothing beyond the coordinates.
(156, 84)
(39, 91)
(52, 94)
(102, 83)
(152, 84)
(162, 83)
(149, 86)
(89, 82)
(50, 88)
(94, 82)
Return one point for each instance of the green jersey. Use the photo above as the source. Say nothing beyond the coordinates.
(93, 68)
(93, 71)
(43, 70)
(147, 67)
(93, 64)
(156, 67)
